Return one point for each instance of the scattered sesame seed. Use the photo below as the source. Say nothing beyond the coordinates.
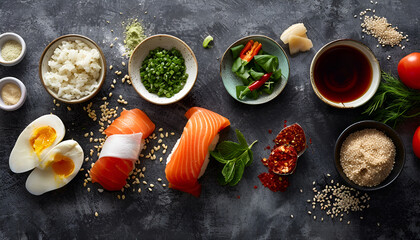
(164, 185)
(159, 179)
(291, 216)
(150, 189)
(96, 214)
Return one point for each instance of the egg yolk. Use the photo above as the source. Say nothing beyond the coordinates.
(42, 138)
(62, 165)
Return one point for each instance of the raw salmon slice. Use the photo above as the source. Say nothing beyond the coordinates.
(111, 172)
(131, 121)
(189, 158)
(113, 168)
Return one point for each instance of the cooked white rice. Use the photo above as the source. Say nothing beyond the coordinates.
(74, 70)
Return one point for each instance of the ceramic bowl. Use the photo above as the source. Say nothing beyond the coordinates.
(9, 36)
(166, 42)
(230, 80)
(399, 158)
(374, 63)
(23, 95)
(49, 51)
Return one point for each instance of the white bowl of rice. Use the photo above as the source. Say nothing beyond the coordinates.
(72, 68)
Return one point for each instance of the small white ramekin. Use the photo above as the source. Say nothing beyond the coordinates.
(23, 93)
(12, 36)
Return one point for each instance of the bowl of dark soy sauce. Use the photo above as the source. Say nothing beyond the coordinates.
(345, 73)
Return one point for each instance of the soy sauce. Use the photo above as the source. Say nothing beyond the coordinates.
(342, 74)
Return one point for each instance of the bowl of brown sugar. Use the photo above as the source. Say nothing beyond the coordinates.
(369, 155)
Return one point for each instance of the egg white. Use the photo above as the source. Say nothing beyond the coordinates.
(23, 158)
(43, 178)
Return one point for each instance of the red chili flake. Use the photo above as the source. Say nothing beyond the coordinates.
(282, 160)
(274, 182)
(285, 123)
(268, 147)
(255, 187)
(238, 197)
(270, 131)
(293, 135)
(264, 162)
(310, 140)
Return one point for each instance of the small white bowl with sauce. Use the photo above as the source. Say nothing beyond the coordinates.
(345, 73)
(8, 100)
(8, 38)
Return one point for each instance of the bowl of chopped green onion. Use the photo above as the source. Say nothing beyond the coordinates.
(163, 69)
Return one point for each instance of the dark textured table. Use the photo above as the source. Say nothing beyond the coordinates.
(219, 213)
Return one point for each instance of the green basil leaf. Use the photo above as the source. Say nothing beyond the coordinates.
(255, 75)
(241, 139)
(250, 158)
(243, 75)
(239, 172)
(269, 63)
(237, 64)
(230, 150)
(218, 157)
(258, 68)
(277, 74)
(221, 179)
(236, 51)
(228, 171)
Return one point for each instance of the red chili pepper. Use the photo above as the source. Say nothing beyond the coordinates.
(282, 160)
(250, 50)
(260, 82)
(274, 182)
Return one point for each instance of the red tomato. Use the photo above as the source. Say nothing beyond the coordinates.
(409, 70)
(416, 142)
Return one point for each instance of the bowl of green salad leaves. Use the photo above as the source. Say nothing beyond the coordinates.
(163, 69)
(254, 69)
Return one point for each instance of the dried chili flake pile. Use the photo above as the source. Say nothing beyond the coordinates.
(289, 144)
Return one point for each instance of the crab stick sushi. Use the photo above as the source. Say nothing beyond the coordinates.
(190, 155)
(121, 149)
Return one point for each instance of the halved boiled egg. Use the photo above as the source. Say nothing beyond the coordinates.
(58, 167)
(35, 141)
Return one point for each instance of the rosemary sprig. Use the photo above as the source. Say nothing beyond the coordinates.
(393, 101)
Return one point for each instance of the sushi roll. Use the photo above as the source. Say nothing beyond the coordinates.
(121, 149)
(190, 155)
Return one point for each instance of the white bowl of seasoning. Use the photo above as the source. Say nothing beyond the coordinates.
(12, 49)
(12, 93)
(345, 73)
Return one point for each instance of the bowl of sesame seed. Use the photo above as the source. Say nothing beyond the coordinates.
(369, 155)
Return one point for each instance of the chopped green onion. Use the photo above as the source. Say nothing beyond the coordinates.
(163, 72)
(206, 41)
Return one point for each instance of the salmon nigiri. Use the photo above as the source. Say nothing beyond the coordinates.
(131, 121)
(190, 156)
(121, 149)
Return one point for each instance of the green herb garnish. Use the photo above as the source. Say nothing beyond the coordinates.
(163, 72)
(206, 41)
(235, 157)
(393, 101)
